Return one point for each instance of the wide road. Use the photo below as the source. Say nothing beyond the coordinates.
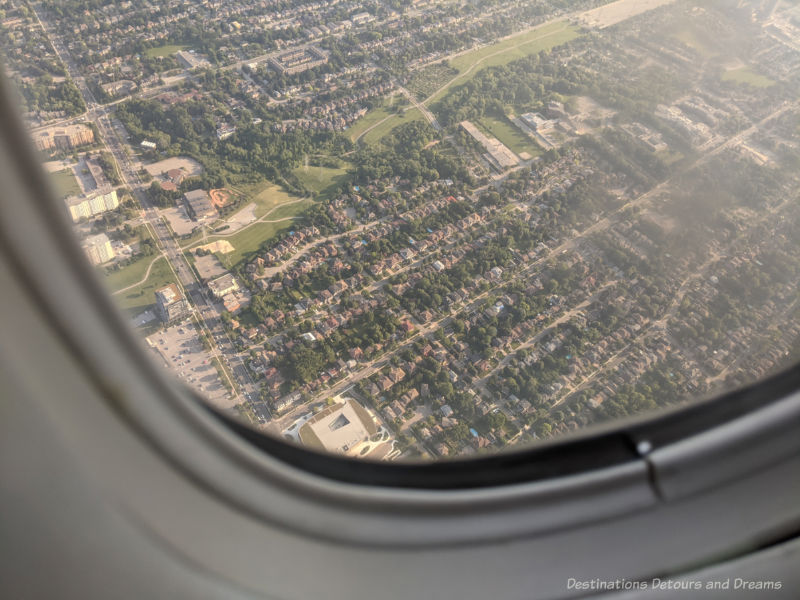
(112, 133)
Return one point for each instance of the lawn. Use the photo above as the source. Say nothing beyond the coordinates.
(132, 273)
(511, 136)
(128, 275)
(371, 118)
(161, 51)
(506, 51)
(324, 181)
(65, 183)
(384, 128)
(747, 76)
(138, 299)
(266, 195)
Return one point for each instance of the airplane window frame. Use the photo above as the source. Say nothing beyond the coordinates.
(592, 476)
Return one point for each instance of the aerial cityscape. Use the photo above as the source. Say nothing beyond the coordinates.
(417, 229)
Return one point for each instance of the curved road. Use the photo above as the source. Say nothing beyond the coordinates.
(143, 279)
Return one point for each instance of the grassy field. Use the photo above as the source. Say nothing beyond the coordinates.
(322, 180)
(132, 273)
(160, 51)
(747, 76)
(374, 136)
(266, 195)
(128, 275)
(506, 132)
(694, 40)
(136, 300)
(372, 117)
(65, 183)
(249, 240)
(508, 50)
(252, 237)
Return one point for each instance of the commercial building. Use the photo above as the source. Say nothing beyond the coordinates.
(537, 122)
(199, 205)
(123, 87)
(191, 60)
(100, 202)
(171, 303)
(98, 249)
(63, 138)
(90, 175)
(344, 427)
(498, 155)
(223, 285)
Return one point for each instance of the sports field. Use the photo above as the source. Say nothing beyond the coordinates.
(249, 240)
(511, 136)
(161, 51)
(251, 237)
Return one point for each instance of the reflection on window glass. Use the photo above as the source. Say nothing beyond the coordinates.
(425, 229)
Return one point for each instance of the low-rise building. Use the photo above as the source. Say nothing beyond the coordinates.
(498, 155)
(223, 285)
(199, 205)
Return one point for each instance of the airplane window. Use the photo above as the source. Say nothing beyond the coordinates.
(419, 230)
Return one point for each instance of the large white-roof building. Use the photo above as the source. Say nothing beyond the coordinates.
(344, 428)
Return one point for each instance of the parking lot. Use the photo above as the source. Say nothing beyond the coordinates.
(182, 353)
(179, 221)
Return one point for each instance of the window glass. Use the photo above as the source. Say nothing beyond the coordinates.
(424, 229)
